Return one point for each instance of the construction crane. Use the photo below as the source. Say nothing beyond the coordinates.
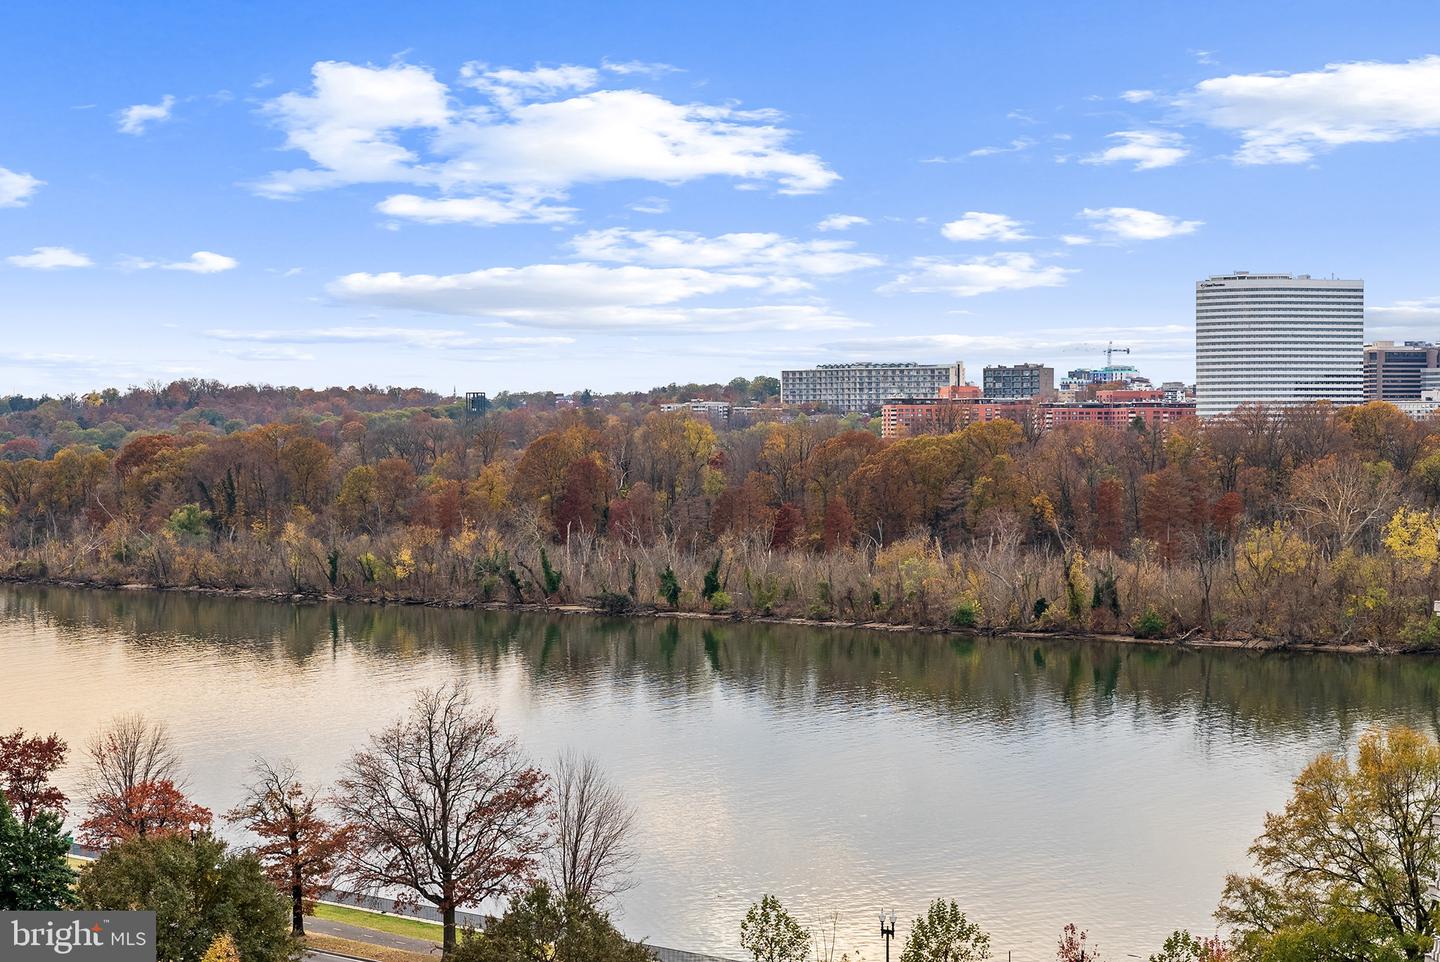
(1111, 350)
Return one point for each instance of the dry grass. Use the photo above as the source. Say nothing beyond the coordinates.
(364, 950)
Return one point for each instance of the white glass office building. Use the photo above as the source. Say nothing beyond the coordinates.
(1278, 339)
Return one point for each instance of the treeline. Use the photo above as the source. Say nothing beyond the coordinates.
(1315, 524)
(37, 427)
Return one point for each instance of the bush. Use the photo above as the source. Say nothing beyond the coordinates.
(539, 924)
(198, 890)
(1422, 635)
(550, 575)
(670, 587)
(966, 615)
(1150, 624)
(613, 603)
(712, 581)
(721, 600)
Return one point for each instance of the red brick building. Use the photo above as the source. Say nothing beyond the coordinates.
(912, 416)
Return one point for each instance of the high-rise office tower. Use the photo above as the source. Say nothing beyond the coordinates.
(1277, 339)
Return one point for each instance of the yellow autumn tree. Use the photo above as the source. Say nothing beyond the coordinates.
(1413, 536)
(222, 949)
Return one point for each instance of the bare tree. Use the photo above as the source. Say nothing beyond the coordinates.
(591, 854)
(444, 808)
(129, 752)
(299, 848)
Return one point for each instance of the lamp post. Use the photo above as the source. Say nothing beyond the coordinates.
(1434, 954)
(887, 929)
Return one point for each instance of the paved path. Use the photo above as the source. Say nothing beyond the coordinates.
(355, 933)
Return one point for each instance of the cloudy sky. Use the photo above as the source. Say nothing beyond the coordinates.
(566, 195)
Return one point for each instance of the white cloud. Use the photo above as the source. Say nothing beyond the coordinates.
(589, 297)
(200, 262)
(1285, 118)
(135, 119)
(1015, 146)
(1010, 271)
(751, 252)
(1148, 149)
(1132, 223)
(1156, 340)
(426, 338)
(1137, 96)
(49, 259)
(538, 134)
(203, 262)
(17, 188)
(651, 205)
(1076, 240)
(1404, 320)
(842, 222)
(538, 339)
(977, 225)
(350, 122)
(276, 353)
(510, 87)
(484, 211)
(641, 67)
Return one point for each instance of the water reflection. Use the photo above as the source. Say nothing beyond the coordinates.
(1037, 782)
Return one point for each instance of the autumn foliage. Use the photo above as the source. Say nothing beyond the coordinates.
(1280, 526)
(26, 765)
(145, 809)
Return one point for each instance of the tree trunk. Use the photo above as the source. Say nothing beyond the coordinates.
(297, 916)
(448, 915)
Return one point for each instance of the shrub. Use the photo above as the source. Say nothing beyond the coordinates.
(712, 581)
(613, 603)
(670, 587)
(1150, 624)
(966, 615)
(721, 600)
(551, 576)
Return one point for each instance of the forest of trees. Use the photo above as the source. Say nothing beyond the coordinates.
(1310, 525)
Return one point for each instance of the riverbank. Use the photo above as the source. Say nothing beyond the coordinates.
(1193, 639)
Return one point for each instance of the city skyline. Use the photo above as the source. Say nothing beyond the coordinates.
(490, 200)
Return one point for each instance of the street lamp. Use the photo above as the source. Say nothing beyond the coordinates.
(1434, 954)
(887, 929)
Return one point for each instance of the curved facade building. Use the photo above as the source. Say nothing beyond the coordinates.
(1277, 339)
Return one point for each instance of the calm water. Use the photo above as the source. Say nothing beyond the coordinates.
(1036, 783)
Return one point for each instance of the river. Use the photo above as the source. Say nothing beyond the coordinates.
(1035, 782)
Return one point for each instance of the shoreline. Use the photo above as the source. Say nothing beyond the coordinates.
(277, 596)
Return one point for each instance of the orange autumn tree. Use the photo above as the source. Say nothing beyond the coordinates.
(143, 810)
(299, 848)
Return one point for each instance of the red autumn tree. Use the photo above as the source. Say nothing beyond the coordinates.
(26, 765)
(580, 507)
(1073, 946)
(789, 522)
(839, 524)
(446, 810)
(146, 809)
(299, 848)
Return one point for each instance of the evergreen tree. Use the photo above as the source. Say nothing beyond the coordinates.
(34, 874)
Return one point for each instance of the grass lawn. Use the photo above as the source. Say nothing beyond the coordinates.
(394, 924)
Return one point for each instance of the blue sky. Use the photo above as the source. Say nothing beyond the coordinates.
(566, 195)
